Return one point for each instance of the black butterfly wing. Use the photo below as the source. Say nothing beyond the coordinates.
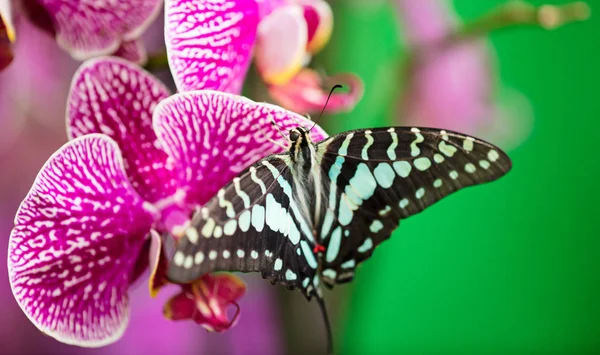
(381, 176)
(252, 225)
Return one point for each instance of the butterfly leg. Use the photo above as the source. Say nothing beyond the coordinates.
(321, 303)
(282, 146)
(276, 126)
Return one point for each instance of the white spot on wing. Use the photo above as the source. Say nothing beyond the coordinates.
(335, 242)
(422, 163)
(366, 245)
(402, 168)
(290, 275)
(179, 258)
(384, 175)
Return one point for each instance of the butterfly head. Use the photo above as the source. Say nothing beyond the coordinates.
(301, 145)
(299, 134)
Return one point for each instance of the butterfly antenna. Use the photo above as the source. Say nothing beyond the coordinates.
(337, 86)
(321, 303)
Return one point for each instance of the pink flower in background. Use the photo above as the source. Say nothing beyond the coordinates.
(210, 45)
(451, 73)
(140, 163)
(89, 29)
(450, 82)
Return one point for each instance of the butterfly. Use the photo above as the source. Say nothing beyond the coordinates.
(308, 217)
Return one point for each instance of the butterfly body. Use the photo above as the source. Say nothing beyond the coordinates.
(311, 215)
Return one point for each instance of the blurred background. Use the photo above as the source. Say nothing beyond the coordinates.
(506, 268)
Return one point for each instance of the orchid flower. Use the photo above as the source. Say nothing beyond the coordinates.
(222, 37)
(139, 164)
(451, 74)
(88, 29)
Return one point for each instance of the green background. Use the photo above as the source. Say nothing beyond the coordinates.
(509, 267)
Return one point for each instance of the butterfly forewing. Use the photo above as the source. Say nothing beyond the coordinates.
(250, 226)
(381, 176)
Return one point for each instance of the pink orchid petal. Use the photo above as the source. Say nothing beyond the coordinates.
(76, 239)
(6, 14)
(512, 120)
(92, 28)
(425, 21)
(265, 7)
(319, 21)
(133, 51)
(117, 98)
(37, 14)
(213, 295)
(142, 263)
(180, 307)
(306, 93)
(451, 86)
(7, 38)
(212, 136)
(158, 264)
(281, 45)
(224, 287)
(210, 43)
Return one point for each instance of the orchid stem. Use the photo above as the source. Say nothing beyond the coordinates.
(519, 13)
(157, 61)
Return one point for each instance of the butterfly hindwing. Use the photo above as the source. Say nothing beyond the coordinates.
(381, 176)
(248, 227)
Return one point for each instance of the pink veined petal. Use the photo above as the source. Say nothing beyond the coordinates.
(281, 44)
(91, 28)
(306, 93)
(76, 239)
(210, 42)
(212, 136)
(134, 51)
(114, 97)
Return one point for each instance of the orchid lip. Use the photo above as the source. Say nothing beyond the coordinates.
(234, 319)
